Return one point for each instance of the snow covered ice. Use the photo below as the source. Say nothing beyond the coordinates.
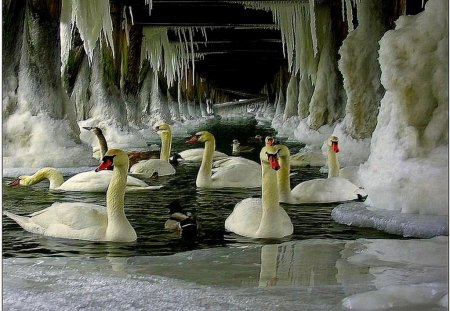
(314, 274)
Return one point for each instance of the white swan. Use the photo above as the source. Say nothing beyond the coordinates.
(85, 182)
(85, 221)
(320, 190)
(262, 217)
(235, 175)
(161, 165)
(196, 155)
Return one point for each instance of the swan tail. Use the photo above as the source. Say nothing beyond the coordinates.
(25, 223)
(16, 218)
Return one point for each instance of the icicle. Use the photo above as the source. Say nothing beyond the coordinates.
(125, 25)
(131, 14)
(92, 18)
(173, 59)
(150, 6)
(349, 10)
(312, 20)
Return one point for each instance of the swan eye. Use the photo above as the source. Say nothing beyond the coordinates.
(108, 158)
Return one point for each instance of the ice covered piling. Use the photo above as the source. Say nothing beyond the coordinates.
(407, 169)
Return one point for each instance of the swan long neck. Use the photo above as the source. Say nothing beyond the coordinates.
(102, 144)
(333, 164)
(166, 145)
(115, 197)
(269, 187)
(204, 173)
(284, 179)
(55, 178)
(268, 226)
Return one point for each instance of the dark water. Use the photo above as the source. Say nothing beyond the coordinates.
(147, 211)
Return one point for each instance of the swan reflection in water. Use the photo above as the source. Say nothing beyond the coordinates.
(306, 264)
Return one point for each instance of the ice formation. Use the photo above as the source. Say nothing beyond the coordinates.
(318, 274)
(92, 19)
(361, 70)
(35, 105)
(407, 169)
(172, 59)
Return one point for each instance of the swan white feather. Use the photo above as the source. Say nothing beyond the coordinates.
(87, 221)
(160, 166)
(308, 158)
(196, 155)
(89, 181)
(234, 175)
(261, 217)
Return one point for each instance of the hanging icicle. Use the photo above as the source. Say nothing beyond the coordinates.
(299, 43)
(173, 59)
(150, 6)
(92, 18)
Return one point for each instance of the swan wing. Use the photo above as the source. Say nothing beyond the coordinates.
(92, 181)
(67, 220)
(245, 218)
(237, 175)
(149, 167)
(235, 160)
(308, 158)
(88, 181)
(196, 154)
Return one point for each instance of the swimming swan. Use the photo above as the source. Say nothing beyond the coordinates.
(236, 175)
(161, 165)
(84, 221)
(262, 217)
(85, 182)
(320, 190)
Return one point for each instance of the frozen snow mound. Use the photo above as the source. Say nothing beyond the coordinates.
(408, 225)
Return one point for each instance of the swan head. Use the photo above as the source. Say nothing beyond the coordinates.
(93, 129)
(114, 157)
(202, 136)
(269, 155)
(333, 144)
(163, 128)
(20, 181)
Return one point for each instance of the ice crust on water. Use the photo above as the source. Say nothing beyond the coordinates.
(407, 225)
(317, 274)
